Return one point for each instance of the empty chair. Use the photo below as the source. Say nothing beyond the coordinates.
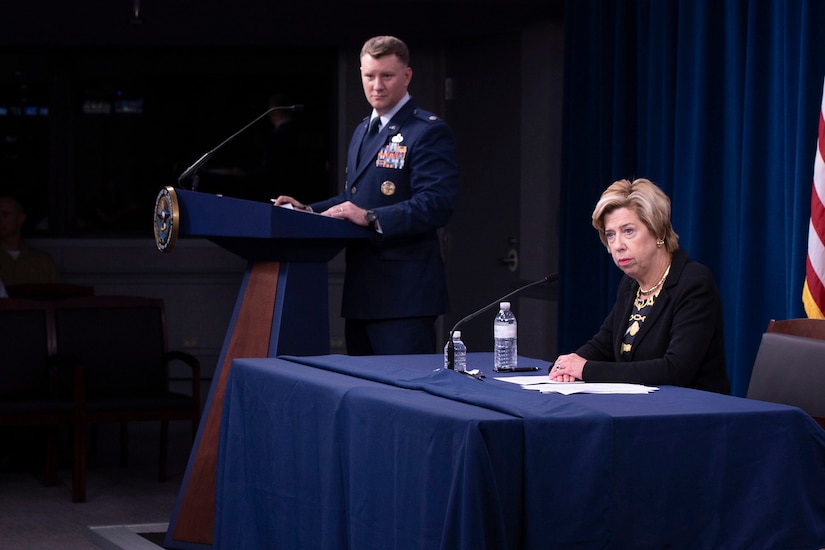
(28, 392)
(120, 342)
(789, 368)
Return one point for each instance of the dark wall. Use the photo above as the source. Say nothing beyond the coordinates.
(259, 22)
(199, 71)
(90, 134)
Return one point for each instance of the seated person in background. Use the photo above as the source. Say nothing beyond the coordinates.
(666, 325)
(19, 263)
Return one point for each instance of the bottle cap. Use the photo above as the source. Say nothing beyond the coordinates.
(456, 334)
(504, 305)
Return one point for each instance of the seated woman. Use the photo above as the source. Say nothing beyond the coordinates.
(666, 325)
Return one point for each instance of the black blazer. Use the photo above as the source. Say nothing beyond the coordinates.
(680, 344)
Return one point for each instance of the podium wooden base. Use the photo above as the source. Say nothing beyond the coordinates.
(266, 297)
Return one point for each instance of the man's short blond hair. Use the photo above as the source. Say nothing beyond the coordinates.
(379, 46)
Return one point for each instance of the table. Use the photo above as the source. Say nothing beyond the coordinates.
(396, 452)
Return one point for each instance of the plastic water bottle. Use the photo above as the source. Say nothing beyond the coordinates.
(505, 335)
(459, 353)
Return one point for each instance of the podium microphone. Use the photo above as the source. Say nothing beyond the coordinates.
(192, 171)
(450, 347)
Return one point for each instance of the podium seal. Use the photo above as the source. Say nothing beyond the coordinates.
(167, 215)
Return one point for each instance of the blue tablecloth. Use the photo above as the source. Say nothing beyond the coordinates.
(395, 452)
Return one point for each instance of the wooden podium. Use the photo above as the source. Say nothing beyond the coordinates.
(282, 309)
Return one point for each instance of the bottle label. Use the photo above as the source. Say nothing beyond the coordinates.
(504, 331)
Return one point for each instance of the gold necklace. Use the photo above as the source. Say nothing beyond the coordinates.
(657, 285)
(641, 301)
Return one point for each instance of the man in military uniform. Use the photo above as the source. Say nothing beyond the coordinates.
(402, 182)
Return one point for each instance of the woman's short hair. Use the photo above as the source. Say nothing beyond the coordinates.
(643, 197)
(379, 46)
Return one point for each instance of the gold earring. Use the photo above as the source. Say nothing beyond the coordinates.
(659, 243)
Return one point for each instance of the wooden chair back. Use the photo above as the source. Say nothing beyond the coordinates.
(809, 328)
(120, 340)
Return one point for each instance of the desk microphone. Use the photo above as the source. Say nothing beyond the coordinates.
(192, 171)
(450, 346)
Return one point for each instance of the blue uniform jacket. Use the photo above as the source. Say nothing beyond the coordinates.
(410, 179)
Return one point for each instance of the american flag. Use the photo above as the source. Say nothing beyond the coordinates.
(813, 293)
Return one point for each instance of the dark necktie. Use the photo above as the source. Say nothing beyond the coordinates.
(366, 144)
(374, 124)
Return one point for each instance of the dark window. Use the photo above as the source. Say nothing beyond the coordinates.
(90, 135)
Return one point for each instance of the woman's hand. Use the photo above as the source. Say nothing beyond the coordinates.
(567, 368)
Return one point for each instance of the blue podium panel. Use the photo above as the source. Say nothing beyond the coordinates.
(261, 232)
(282, 308)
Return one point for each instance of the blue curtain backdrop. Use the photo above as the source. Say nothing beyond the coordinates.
(718, 102)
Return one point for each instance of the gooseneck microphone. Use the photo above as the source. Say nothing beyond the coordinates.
(192, 171)
(450, 346)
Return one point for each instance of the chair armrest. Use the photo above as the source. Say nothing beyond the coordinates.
(187, 358)
(193, 363)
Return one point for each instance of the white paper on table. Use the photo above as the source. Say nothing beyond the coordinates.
(528, 379)
(289, 206)
(542, 384)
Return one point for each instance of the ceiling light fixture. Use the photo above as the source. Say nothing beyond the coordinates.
(136, 20)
